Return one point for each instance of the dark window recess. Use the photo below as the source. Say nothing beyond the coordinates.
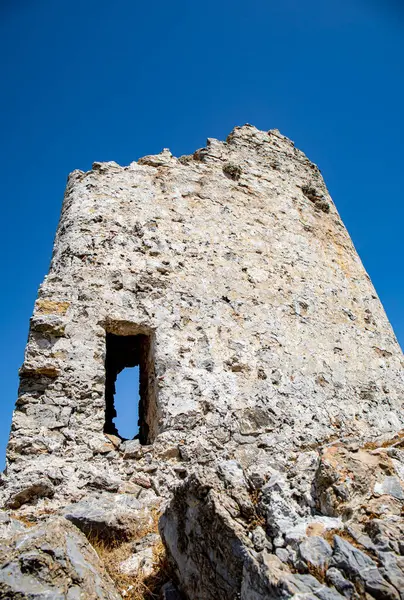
(125, 351)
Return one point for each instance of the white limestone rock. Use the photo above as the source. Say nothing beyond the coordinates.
(53, 560)
(141, 562)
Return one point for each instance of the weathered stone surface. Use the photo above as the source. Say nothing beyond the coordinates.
(360, 567)
(271, 381)
(109, 516)
(260, 540)
(389, 485)
(9, 526)
(53, 561)
(342, 585)
(393, 570)
(214, 556)
(316, 551)
(348, 480)
(216, 540)
(215, 545)
(146, 541)
(387, 534)
(132, 449)
(30, 491)
(142, 562)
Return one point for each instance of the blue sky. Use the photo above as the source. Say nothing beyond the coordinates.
(95, 80)
(127, 402)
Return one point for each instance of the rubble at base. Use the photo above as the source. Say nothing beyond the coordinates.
(214, 530)
(331, 526)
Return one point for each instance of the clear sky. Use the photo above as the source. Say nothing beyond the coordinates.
(92, 80)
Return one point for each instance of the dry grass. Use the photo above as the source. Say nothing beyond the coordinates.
(328, 535)
(139, 586)
(317, 572)
(28, 521)
(135, 587)
(32, 519)
(342, 533)
(255, 496)
(256, 519)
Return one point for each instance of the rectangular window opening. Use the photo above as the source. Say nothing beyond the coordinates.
(130, 404)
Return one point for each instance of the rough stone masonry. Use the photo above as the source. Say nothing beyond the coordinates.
(271, 382)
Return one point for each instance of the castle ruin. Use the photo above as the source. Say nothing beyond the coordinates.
(271, 382)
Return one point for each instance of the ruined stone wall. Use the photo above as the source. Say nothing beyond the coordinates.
(267, 335)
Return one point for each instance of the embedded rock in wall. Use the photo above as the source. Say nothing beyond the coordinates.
(229, 279)
(111, 516)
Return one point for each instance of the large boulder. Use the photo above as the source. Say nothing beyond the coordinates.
(206, 544)
(53, 561)
(363, 570)
(208, 535)
(109, 517)
(227, 539)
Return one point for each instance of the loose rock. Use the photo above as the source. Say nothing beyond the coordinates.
(53, 561)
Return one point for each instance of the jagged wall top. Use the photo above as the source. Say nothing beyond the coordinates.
(243, 140)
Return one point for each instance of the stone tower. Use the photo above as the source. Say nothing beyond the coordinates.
(230, 279)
